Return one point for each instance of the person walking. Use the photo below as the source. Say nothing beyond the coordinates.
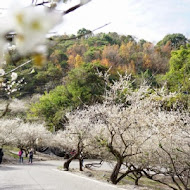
(81, 158)
(21, 155)
(81, 161)
(31, 156)
(1, 155)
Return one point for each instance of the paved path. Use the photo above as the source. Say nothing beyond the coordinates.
(45, 176)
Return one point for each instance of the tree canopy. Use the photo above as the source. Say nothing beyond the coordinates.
(178, 76)
(176, 40)
(82, 86)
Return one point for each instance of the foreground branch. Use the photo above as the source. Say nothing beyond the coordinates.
(18, 67)
(81, 35)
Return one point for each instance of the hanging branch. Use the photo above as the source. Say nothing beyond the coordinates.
(42, 3)
(81, 35)
(18, 67)
(72, 9)
(64, 12)
(56, 44)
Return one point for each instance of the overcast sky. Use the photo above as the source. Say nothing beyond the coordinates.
(148, 19)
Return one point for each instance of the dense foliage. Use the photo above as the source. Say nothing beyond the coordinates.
(178, 77)
(82, 86)
(144, 60)
(72, 70)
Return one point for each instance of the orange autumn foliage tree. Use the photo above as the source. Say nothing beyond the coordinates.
(71, 61)
(78, 61)
(79, 49)
(105, 62)
(131, 67)
(147, 63)
(127, 50)
(75, 61)
(111, 53)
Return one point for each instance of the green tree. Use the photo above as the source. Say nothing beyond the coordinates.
(130, 38)
(93, 53)
(84, 33)
(178, 77)
(176, 40)
(82, 87)
(142, 42)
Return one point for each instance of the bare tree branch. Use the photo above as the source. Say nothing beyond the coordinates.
(18, 67)
(42, 3)
(81, 35)
(72, 9)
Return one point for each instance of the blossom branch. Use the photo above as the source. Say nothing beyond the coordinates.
(18, 67)
(42, 3)
(81, 35)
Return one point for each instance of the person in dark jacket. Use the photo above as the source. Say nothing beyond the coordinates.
(31, 156)
(1, 155)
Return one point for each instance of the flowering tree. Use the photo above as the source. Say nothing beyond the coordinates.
(23, 135)
(129, 127)
(75, 136)
(119, 131)
(31, 136)
(168, 154)
(7, 129)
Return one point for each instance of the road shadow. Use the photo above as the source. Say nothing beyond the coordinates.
(20, 187)
(41, 164)
(7, 168)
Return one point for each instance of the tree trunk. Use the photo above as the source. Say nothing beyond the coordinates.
(137, 175)
(137, 181)
(80, 164)
(67, 163)
(115, 172)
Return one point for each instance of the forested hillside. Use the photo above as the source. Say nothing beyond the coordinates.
(142, 59)
(68, 78)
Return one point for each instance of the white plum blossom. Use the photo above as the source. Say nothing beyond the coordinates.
(6, 27)
(14, 76)
(33, 134)
(7, 129)
(12, 48)
(31, 25)
(12, 85)
(2, 72)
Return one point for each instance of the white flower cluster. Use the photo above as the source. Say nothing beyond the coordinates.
(2, 72)
(30, 26)
(12, 85)
(32, 134)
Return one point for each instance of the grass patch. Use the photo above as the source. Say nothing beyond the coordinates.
(10, 148)
(143, 182)
(151, 184)
(60, 167)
